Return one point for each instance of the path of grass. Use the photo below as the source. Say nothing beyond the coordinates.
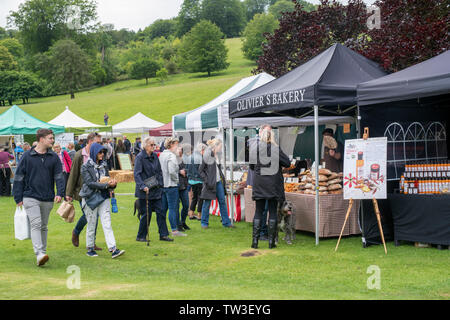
(207, 265)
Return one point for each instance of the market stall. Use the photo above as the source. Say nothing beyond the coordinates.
(211, 120)
(139, 123)
(75, 124)
(325, 85)
(411, 108)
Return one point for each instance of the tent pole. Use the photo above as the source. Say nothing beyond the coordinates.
(231, 170)
(358, 135)
(317, 160)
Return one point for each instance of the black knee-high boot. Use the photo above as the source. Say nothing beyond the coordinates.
(256, 231)
(272, 233)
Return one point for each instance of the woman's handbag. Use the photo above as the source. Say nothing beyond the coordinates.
(67, 211)
(95, 200)
(152, 182)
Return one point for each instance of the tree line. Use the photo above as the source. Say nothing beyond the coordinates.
(58, 47)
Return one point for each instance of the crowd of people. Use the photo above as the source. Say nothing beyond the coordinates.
(163, 181)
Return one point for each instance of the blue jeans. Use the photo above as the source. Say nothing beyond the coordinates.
(184, 198)
(220, 194)
(171, 201)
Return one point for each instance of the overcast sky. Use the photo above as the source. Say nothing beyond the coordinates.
(130, 14)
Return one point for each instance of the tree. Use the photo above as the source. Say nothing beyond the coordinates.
(189, 16)
(18, 85)
(228, 15)
(302, 35)
(144, 68)
(14, 47)
(203, 49)
(161, 28)
(162, 75)
(411, 32)
(7, 61)
(69, 67)
(281, 6)
(253, 7)
(253, 36)
(42, 22)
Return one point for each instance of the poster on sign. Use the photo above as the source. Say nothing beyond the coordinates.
(64, 138)
(365, 168)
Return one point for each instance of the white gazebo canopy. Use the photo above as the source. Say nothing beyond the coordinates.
(139, 123)
(69, 119)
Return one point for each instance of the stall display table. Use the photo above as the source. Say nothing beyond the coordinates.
(421, 218)
(332, 210)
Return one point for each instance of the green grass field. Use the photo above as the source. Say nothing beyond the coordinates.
(207, 264)
(121, 100)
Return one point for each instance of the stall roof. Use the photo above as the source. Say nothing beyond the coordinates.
(214, 114)
(289, 121)
(428, 78)
(139, 123)
(70, 120)
(15, 121)
(163, 131)
(329, 79)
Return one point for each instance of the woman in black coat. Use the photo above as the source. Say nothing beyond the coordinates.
(268, 183)
(213, 184)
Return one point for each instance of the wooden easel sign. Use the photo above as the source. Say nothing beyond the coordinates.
(365, 169)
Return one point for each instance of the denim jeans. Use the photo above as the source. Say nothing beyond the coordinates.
(220, 194)
(184, 198)
(82, 223)
(104, 212)
(171, 201)
(153, 205)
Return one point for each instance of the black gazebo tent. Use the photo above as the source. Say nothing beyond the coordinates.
(326, 84)
(418, 94)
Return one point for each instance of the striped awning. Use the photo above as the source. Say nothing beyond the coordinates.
(214, 114)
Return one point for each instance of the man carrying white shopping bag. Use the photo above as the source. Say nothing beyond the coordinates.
(34, 185)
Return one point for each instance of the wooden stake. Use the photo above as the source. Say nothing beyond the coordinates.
(350, 204)
(377, 213)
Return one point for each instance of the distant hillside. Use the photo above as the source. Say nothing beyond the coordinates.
(121, 100)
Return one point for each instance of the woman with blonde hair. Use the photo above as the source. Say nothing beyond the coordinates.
(213, 183)
(268, 183)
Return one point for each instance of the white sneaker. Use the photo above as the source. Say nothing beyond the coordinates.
(42, 259)
(178, 234)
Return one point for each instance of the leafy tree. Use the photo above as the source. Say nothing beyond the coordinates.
(14, 47)
(42, 22)
(69, 67)
(162, 75)
(302, 35)
(189, 15)
(161, 28)
(253, 7)
(203, 49)
(144, 68)
(228, 15)
(411, 32)
(253, 36)
(18, 85)
(7, 61)
(281, 6)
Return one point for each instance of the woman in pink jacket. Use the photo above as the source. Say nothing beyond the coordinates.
(66, 162)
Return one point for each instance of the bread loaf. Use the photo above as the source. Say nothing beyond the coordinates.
(325, 172)
(334, 181)
(334, 187)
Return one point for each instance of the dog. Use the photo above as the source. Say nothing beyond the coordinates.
(138, 209)
(286, 221)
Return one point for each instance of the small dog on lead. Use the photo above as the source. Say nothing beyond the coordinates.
(286, 221)
(138, 209)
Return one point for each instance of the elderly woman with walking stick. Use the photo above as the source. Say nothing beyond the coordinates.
(149, 183)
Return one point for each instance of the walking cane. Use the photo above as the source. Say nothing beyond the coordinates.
(148, 229)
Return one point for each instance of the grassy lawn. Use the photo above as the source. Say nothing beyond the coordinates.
(121, 100)
(207, 264)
